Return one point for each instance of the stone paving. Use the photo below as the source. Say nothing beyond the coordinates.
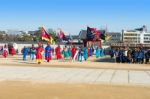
(74, 75)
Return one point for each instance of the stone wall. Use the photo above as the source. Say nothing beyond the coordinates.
(21, 46)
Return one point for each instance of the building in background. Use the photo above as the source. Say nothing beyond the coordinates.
(136, 36)
(116, 37)
(14, 32)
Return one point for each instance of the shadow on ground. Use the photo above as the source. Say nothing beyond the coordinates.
(106, 59)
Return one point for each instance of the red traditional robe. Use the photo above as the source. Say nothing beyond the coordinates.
(13, 51)
(58, 53)
(5, 52)
(39, 53)
(73, 50)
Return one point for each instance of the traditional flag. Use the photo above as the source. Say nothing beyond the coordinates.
(97, 34)
(90, 33)
(108, 37)
(46, 36)
(103, 35)
(62, 36)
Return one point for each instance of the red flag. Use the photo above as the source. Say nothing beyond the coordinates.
(97, 34)
(62, 35)
(45, 35)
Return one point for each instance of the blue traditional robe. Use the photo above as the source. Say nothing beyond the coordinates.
(25, 53)
(69, 52)
(91, 51)
(102, 52)
(48, 52)
(65, 53)
(97, 52)
(85, 53)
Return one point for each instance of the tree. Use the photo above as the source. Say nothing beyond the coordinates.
(27, 38)
(2, 35)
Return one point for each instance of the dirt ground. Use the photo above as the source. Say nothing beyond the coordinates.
(103, 63)
(27, 90)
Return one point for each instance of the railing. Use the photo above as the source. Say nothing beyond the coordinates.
(129, 45)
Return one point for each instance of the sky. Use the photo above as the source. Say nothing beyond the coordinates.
(74, 15)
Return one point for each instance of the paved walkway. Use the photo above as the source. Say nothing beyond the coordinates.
(74, 75)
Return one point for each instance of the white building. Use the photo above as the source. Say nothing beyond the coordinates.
(137, 36)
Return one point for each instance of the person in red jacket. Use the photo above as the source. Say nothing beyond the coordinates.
(58, 52)
(39, 53)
